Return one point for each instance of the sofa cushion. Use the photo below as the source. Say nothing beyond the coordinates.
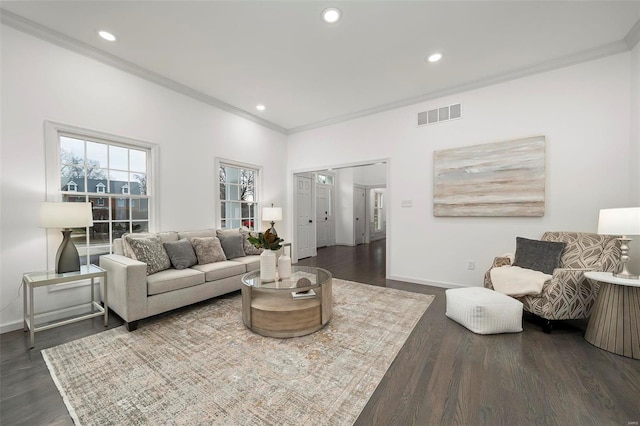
(150, 251)
(204, 233)
(252, 262)
(543, 256)
(232, 246)
(181, 253)
(208, 250)
(173, 279)
(221, 233)
(219, 270)
(249, 249)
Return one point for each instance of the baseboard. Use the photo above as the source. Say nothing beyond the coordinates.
(425, 282)
(12, 326)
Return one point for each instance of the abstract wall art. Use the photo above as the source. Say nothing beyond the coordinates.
(493, 179)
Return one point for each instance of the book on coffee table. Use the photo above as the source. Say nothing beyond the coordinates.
(303, 294)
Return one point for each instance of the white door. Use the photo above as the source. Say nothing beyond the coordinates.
(304, 221)
(325, 224)
(359, 214)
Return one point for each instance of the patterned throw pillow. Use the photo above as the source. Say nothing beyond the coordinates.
(150, 251)
(249, 249)
(181, 253)
(208, 250)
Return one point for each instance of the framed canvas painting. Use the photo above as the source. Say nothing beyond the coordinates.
(493, 179)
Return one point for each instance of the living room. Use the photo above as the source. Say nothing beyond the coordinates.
(586, 104)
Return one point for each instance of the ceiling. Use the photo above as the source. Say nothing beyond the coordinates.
(237, 54)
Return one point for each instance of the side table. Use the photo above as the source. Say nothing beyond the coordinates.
(32, 280)
(615, 320)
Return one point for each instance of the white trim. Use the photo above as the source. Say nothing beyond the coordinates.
(425, 282)
(633, 36)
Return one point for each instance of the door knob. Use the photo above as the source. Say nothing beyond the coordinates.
(310, 221)
(326, 218)
(357, 218)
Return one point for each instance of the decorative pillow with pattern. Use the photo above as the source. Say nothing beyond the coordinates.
(208, 250)
(249, 249)
(150, 251)
(543, 256)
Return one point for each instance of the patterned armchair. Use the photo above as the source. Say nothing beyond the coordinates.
(568, 294)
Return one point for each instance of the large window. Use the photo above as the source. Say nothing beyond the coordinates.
(113, 177)
(238, 196)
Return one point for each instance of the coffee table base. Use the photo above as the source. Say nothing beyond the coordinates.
(277, 314)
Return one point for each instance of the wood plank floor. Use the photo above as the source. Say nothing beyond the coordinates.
(444, 374)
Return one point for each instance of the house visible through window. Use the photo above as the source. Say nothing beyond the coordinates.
(238, 196)
(113, 177)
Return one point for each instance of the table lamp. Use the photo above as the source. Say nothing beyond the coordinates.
(273, 215)
(66, 216)
(623, 222)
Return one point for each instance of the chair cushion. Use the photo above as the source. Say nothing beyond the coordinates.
(484, 311)
(173, 279)
(219, 270)
(543, 256)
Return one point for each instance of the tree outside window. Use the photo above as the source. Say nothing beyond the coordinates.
(238, 196)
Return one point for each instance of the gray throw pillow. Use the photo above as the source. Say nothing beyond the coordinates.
(249, 249)
(208, 250)
(543, 256)
(150, 251)
(232, 246)
(181, 253)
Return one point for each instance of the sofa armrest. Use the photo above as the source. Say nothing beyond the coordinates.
(497, 262)
(127, 286)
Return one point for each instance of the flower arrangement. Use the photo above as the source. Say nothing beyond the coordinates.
(266, 241)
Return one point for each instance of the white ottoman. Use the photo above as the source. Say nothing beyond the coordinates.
(484, 311)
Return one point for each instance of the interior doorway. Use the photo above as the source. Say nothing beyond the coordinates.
(341, 212)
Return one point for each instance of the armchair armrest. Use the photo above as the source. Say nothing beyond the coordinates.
(569, 282)
(127, 286)
(497, 262)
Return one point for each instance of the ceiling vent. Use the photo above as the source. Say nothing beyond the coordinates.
(446, 113)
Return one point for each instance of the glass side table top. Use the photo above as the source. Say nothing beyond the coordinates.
(298, 280)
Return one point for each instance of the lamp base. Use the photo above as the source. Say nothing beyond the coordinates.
(67, 259)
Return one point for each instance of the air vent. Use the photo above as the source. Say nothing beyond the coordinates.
(433, 116)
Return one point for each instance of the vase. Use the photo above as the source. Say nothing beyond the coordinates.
(284, 266)
(267, 266)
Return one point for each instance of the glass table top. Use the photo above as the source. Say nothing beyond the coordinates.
(302, 278)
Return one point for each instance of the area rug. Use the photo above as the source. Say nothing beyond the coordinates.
(202, 366)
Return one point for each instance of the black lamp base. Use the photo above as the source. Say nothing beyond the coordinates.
(67, 258)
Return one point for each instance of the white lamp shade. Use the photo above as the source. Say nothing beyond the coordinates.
(625, 221)
(65, 215)
(272, 214)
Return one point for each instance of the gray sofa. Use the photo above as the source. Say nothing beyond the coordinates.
(133, 294)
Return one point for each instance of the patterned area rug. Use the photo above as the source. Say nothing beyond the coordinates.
(202, 366)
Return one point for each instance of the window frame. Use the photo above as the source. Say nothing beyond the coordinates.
(258, 189)
(53, 132)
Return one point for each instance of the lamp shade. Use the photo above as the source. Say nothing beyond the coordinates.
(625, 221)
(65, 215)
(272, 214)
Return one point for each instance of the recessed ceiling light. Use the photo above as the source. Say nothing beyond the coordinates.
(107, 35)
(260, 107)
(435, 57)
(331, 15)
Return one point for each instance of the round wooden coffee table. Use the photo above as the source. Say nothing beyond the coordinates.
(270, 309)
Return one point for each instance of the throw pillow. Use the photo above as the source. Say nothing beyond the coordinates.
(208, 250)
(150, 251)
(543, 256)
(126, 247)
(249, 249)
(232, 246)
(181, 253)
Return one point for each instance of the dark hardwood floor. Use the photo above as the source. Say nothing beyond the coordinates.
(443, 375)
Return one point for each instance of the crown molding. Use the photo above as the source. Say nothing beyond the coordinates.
(40, 31)
(633, 36)
(584, 56)
(27, 26)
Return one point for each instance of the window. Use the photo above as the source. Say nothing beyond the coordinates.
(113, 177)
(238, 195)
(325, 179)
(378, 202)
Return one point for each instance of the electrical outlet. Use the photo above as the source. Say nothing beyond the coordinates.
(471, 265)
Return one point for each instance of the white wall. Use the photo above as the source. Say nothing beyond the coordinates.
(344, 207)
(583, 111)
(634, 158)
(41, 82)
